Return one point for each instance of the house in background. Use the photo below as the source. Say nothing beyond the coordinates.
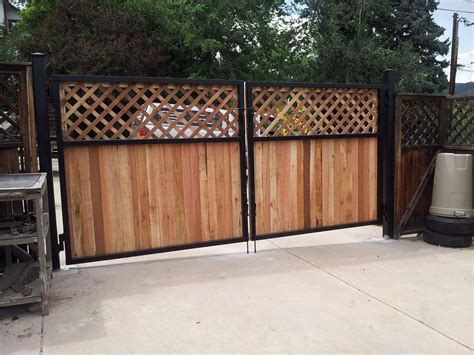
(9, 16)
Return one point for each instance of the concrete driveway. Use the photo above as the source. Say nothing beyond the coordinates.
(340, 291)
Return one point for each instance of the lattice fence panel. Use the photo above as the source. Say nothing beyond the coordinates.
(124, 111)
(420, 121)
(461, 125)
(286, 111)
(10, 132)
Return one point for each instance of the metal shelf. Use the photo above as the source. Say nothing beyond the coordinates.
(13, 284)
(8, 238)
(9, 297)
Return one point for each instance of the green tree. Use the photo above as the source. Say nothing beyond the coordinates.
(81, 37)
(356, 41)
(411, 21)
(217, 38)
(181, 38)
(324, 40)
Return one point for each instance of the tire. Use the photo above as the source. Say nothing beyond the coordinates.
(452, 226)
(447, 240)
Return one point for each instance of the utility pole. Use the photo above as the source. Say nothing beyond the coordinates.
(454, 55)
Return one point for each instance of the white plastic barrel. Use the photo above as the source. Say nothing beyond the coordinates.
(452, 187)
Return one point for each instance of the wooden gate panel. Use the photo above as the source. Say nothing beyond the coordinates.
(311, 184)
(136, 197)
(315, 156)
(150, 164)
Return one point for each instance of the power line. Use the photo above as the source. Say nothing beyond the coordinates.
(451, 10)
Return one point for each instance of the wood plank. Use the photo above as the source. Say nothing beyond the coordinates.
(236, 197)
(261, 162)
(316, 172)
(9, 165)
(306, 186)
(354, 161)
(80, 202)
(338, 174)
(189, 157)
(273, 187)
(373, 179)
(178, 183)
(128, 235)
(283, 172)
(144, 198)
(204, 193)
(265, 215)
(363, 180)
(168, 196)
(153, 161)
(300, 196)
(133, 157)
(108, 178)
(212, 198)
(218, 158)
(96, 192)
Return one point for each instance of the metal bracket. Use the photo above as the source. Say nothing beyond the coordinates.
(61, 241)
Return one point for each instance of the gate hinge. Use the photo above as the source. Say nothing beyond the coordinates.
(61, 241)
(49, 93)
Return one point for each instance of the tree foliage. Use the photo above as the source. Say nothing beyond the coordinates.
(80, 37)
(324, 40)
(353, 41)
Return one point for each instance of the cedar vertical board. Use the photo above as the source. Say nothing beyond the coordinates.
(341, 187)
(136, 197)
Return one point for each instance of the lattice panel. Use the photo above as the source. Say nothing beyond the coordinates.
(124, 111)
(420, 122)
(285, 111)
(9, 109)
(461, 127)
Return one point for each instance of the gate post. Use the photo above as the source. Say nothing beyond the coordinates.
(40, 92)
(389, 154)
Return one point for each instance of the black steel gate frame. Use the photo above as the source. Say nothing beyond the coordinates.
(41, 101)
(384, 199)
(386, 154)
(57, 79)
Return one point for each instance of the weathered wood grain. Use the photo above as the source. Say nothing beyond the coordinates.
(413, 164)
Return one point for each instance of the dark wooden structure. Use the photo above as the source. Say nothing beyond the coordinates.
(426, 125)
(17, 120)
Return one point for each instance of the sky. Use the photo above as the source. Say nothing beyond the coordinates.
(466, 35)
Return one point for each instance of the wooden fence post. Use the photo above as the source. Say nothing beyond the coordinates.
(40, 91)
(389, 154)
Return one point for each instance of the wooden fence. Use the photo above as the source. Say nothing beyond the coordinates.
(17, 125)
(153, 164)
(426, 125)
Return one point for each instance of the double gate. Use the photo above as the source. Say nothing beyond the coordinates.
(151, 164)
